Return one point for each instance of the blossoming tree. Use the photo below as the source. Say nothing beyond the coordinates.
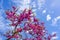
(31, 26)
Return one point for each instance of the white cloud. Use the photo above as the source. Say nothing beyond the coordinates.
(54, 21)
(58, 17)
(54, 38)
(48, 17)
(44, 11)
(54, 33)
(34, 10)
(26, 2)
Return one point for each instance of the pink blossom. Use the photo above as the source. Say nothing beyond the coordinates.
(19, 29)
(35, 29)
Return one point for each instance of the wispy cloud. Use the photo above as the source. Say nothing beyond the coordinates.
(3, 26)
(22, 3)
(0, 38)
(40, 3)
(54, 21)
(26, 3)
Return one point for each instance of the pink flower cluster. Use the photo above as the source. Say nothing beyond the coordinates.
(35, 28)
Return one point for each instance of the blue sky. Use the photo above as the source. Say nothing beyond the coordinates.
(46, 10)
